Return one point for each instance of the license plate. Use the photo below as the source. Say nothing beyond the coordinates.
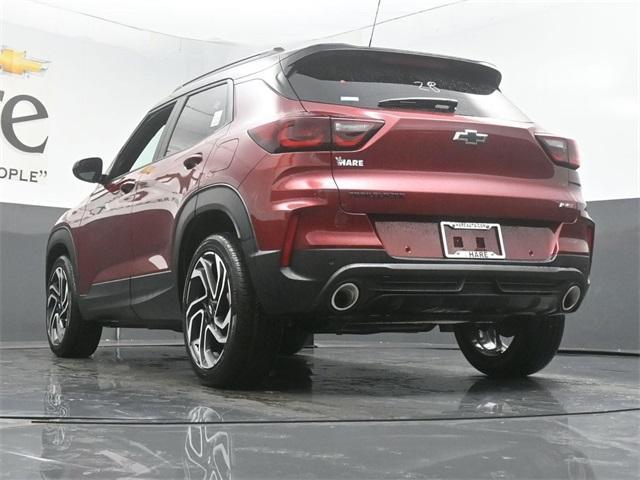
(481, 241)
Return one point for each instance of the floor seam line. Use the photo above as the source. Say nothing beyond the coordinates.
(81, 421)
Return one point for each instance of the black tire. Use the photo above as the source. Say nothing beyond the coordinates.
(252, 338)
(534, 343)
(79, 338)
(293, 340)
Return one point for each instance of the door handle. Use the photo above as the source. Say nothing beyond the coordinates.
(193, 161)
(126, 187)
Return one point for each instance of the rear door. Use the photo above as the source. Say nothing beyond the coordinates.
(452, 145)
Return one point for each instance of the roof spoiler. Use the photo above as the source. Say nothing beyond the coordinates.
(254, 56)
(488, 72)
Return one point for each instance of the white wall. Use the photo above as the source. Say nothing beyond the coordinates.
(571, 66)
(100, 80)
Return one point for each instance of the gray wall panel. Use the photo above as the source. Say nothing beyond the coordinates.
(23, 237)
(610, 316)
(608, 320)
(24, 230)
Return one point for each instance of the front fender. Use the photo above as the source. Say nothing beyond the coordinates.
(61, 236)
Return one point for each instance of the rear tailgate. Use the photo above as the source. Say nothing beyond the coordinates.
(481, 161)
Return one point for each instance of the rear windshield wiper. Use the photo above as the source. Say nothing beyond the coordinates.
(421, 103)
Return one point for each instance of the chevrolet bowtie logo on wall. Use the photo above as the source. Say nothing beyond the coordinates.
(17, 63)
(470, 137)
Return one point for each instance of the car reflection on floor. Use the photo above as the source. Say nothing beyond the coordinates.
(205, 447)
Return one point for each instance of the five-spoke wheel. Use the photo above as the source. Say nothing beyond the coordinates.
(230, 342)
(489, 341)
(513, 348)
(209, 310)
(58, 301)
(68, 333)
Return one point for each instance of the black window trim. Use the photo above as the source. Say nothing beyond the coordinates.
(177, 104)
(115, 162)
(177, 111)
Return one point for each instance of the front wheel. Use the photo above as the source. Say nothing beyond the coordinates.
(68, 333)
(514, 349)
(229, 341)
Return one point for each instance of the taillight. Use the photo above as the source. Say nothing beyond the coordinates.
(352, 134)
(562, 151)
(304, 133)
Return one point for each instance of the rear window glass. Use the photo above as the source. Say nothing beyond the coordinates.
(364, 79)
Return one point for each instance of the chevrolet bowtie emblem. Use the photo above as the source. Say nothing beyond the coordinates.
(470, 137)
(17, 63)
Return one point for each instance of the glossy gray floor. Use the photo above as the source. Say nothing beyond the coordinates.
(369, 411)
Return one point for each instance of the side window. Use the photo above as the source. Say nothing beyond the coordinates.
(146, 156)
(203, 113)
(141, 147)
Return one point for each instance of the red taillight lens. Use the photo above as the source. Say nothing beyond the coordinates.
(304, 133)
(562, 151)
(294, 134)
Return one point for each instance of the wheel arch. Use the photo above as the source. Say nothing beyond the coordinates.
(60, 243)
(215, 209)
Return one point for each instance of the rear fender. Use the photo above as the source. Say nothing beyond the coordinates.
(218, 198)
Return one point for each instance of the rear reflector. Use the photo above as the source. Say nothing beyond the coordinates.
(289, 240)
(562, 151)
(317, 133)
(577, 237)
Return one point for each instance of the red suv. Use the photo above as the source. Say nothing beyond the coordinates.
(328, 189)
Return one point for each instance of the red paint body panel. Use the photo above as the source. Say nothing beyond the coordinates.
(161, 191)
(103, 238)
(509, 177)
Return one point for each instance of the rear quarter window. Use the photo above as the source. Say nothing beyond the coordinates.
(363, 79)
(203, 113)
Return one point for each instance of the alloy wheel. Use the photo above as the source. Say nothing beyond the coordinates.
(58, 306)
(488, 341)
(209, 311)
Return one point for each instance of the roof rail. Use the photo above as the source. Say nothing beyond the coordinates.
(265, 53)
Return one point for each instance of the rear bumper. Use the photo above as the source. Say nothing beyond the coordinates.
(394, 292)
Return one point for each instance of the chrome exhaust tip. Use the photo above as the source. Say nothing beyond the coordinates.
(344, 297)
(571, 298)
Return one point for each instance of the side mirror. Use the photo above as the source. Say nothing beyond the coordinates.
(89, 170)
